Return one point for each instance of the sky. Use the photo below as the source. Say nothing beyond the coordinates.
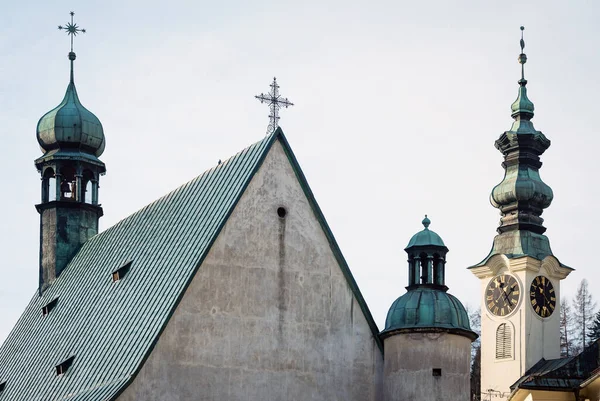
(397, 107)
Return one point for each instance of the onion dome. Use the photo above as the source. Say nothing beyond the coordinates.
(70, 125)
(428, 309)
(522, 196)
(425, 237)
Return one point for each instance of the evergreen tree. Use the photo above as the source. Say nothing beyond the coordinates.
(567, 329)
(584, 306)
(594, 333)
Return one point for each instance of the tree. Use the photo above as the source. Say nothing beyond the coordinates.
(567, 343)
(594, 333)
(584, 306)
(475, 321)
(476, 375)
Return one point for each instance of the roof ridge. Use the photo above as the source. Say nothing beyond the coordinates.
(197, 178)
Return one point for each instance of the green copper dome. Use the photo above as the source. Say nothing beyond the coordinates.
(425, 237)
(70, 125)
(428, 308)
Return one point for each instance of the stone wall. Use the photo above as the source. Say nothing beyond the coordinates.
(269, 314)
(411, 358)
(65, 227)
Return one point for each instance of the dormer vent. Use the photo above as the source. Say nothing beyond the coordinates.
(121, 272)
(49, 306)
(2, 386)
(61, 368)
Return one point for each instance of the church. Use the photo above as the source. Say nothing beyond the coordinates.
(233, 287)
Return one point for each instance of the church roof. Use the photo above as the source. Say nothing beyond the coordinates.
(110, 327)
(562, 373)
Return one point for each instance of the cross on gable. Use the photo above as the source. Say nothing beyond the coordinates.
(274, 101)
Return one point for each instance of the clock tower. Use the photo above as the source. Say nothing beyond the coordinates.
(520, 278)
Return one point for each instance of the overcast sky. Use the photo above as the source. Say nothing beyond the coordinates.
(398, 105)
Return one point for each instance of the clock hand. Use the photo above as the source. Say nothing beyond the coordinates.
(507, 295)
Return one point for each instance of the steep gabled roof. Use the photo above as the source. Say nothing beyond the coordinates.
(111, 327)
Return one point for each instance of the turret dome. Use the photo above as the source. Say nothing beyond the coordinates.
(426, 308)
(426, 237)
(70, 125)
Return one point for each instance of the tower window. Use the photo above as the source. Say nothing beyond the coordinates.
(49, 306)
(436, 372)
(281, 212)
(121, 272)
(64, 366)
(503, 341)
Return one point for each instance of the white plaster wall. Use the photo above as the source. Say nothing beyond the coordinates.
(533, 337)
(269, 314)
(410, 359)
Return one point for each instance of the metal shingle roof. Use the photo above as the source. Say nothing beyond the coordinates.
(110, 327)
(562, 373)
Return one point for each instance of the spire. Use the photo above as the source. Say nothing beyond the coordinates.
(72, 29)
(522, 196)
(522, 108)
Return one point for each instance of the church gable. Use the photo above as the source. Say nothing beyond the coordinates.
(88, 333)
(270, 313)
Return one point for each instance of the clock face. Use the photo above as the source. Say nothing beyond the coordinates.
(502, 295)
(542, 295)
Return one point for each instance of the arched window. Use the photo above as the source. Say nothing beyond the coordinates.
(48, 186)
(67, 184)
(436, 269)
(424, 269)
(88, 176)
(503, 341)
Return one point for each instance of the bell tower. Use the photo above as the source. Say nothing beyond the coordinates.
(71, 139)
(520, 278)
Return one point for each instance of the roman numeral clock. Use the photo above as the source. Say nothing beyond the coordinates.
(502, 295)
(542, 296)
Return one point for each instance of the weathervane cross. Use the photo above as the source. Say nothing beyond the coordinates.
(72, 29)
(275, 102)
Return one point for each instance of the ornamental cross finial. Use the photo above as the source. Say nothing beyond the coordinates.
(72, 29)
(275, 101)
(522, 58)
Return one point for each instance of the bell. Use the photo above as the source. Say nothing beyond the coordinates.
(65, 187)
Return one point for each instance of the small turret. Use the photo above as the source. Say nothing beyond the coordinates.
(426, 259)
(72, 139)
(427, 335)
